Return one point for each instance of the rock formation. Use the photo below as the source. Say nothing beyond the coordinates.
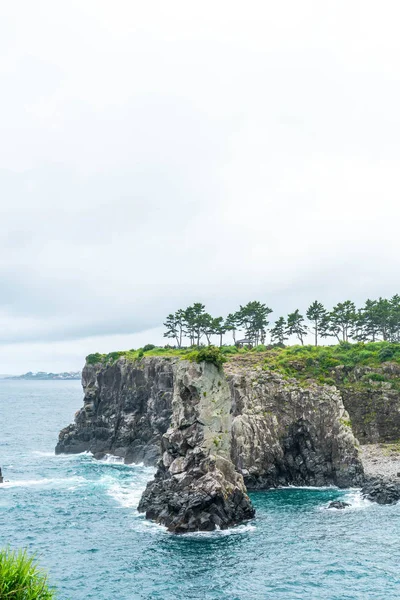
(282, 432)
(381, 490)
(196, 486)
(126, 409)
(338, 504)
(287, 434)
(212, 432)
(373, 406)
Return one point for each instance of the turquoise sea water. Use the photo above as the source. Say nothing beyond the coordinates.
(79, 516)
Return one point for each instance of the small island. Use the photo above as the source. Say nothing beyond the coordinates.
(43, 376)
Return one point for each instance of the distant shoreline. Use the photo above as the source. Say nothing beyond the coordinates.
(43, 376)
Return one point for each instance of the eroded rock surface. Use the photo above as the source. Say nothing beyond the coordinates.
(286, 434)
(196, 486)
(374, 406)
(281, 433)
(381, 490)
(127, 408)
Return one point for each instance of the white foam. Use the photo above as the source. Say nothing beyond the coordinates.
(240, 529)
(353, 497)
(61, 456)
(127, 496)
(307, 487)
(18, 483)
(110, 458)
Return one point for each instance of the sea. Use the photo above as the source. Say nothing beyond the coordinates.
(79, 517)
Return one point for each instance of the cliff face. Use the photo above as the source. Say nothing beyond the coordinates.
(196, 486)
(373, 405)
(279, 432)
(285, 434)
(126, 409)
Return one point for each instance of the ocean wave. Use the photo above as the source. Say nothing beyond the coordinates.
(45, 454)
(111, 458)
(307, 487)
(353, 497)
(18, 483)
(238, 530)
(61, 456)
(126, 496)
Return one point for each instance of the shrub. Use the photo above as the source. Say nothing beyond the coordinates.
(211, 354)
(148, 347)
(93, 359)
(345, 345)
(326, 380)
(140, 353)
(386, 353)
(375, 377)
(229, 350)
(21, 579)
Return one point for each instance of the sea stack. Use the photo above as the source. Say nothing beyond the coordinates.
(196, 486)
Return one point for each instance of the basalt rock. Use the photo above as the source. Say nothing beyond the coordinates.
(373, 406)
(126, 409)
(381, 490)
(287, 434)
(338, 504)
(196, 486)
(281, 432)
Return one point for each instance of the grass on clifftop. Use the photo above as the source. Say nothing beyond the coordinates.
(301, 362)
(209, 354)
(21, 579)
(310, 362)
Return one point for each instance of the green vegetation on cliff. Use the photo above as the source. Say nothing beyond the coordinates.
(301, 362)
(21, 579)
(320, 363)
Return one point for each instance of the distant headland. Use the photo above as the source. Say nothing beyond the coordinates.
(42, 375)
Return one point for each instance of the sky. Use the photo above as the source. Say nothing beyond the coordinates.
(154, 154)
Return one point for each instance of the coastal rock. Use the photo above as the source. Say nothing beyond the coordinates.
(287, 434)
(282, 433)
(339, 504)
(381, 490)
(373, 406)
(196, 486)
(127, 408)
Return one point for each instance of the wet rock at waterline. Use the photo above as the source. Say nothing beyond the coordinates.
(381, 490)
(339, 504)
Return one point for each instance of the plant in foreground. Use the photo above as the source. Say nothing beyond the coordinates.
(21, 579)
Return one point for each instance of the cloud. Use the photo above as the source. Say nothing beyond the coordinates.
(156, 154)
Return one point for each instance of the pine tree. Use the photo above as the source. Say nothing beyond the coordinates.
(231, 324)
(172, 328)
(295, 325)
(342, 319)
(278, 332)
(253, 317)
(316, 313)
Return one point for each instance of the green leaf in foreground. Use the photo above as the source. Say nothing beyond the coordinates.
(21, 578)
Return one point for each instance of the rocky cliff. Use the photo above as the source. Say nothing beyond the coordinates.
(372, 398)
(196, 486)
(280, 433)
(287, 434)
(126, 409)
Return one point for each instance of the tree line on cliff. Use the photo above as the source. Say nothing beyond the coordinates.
(376, 320)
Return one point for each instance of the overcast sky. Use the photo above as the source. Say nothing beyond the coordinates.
(154, 154)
